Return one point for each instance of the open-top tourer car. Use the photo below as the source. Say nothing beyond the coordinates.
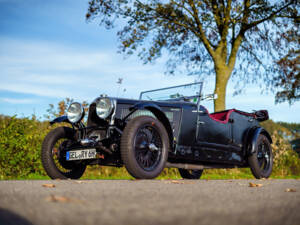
(165, 128)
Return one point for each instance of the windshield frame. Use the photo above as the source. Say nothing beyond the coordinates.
(200, 83)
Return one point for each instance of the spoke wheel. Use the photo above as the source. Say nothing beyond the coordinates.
(190, 174)
(261, 162)
(144, 147)
(54, 149)
(147, 147)
(263, 156)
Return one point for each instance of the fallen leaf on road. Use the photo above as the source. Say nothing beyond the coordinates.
(177, 182)
(290, 190)
(180, 182)
(174, 182)
(255, 185)
(79, 181)
(49, 185)
(56, 198)
(82, 181)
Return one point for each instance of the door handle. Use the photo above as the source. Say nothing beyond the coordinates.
(201, 122)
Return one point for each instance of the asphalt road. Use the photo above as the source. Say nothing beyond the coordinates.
(155, 202)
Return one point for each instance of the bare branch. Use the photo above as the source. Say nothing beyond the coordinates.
(218, 16)
(201, 31)
(182, 6)
(253, 24)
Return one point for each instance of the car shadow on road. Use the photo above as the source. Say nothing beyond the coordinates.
(8, 217)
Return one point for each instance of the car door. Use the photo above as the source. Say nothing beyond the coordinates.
(214, 139)
(212, 132)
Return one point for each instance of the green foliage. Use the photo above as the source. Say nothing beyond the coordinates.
(288, 80)
(21, 140)
(20, 144)
(272, 127)
(293, 127)
(286, 161)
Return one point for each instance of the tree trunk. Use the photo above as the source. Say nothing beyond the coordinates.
(222, 77)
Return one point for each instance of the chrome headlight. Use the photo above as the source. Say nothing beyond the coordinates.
(75, 112)
(104, 107)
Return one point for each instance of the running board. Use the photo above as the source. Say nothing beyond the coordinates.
(197, 167)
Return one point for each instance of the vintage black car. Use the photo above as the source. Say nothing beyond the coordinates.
(166, 127)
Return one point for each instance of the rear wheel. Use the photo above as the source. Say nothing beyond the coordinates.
(261, 162)
(144, 147)
(190, 174)
(54, 150)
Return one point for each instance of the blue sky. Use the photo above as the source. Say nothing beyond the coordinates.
(49, 52)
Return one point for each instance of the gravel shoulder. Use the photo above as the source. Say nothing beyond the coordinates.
(145, 202)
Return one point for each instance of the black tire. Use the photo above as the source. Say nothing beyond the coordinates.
(144, 147)
(261, 162)
(54, 155)
(190, 174)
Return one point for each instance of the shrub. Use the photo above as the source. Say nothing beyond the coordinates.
(286, 161)
(20, 144)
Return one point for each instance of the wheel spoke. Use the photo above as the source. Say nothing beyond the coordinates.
(148, 147)
(263, 156)
(148, 134)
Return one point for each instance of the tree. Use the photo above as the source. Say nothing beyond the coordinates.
(207, 36)
(288, 78)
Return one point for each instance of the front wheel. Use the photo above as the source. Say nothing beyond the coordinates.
(54, 150)
(190, 174)
(261, 162)
(144, 147)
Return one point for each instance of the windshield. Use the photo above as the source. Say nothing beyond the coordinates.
(188, 92)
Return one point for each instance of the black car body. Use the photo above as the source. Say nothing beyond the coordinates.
(146, 136)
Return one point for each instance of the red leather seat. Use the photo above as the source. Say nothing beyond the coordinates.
(221, 117)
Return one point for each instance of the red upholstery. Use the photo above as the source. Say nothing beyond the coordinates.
(221, 117)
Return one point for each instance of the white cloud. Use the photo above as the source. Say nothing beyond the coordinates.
(52, 70)
(18, 101)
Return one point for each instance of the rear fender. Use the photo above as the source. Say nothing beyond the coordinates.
(159, 114)
(253, 135)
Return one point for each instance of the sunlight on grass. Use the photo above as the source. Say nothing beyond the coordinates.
(111, 173)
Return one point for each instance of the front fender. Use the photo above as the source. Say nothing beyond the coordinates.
(159, 114)
(145, 105)
(60, 119)
(253, 136)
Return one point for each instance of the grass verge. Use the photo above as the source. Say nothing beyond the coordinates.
(110, 173)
